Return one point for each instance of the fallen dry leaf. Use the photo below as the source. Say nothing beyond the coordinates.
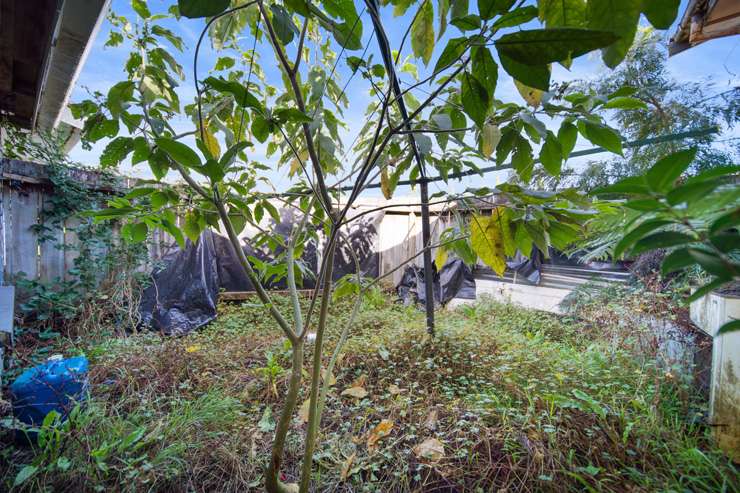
(431, 421)
(347, 466)
(360, 382)
(303, 411)
(381, 429)
(394, 389)
(292, 487)
(430, 449)
(356, 392)
(332, 379)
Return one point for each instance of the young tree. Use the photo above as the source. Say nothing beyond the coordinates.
(446, 117)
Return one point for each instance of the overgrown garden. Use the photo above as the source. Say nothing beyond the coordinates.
(378, 399)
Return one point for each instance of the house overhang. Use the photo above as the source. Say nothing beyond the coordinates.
(43, 46)
(704, 20)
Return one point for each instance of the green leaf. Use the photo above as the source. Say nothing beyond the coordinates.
(485, 69)
(179, 152)
(488, 9)
(601, 135)
(631, 185)
(676, 260)
(662, 175)
(238, 221)
(522, 160)
(141, 8)
(99, 127)
(285, 29)
(710, 262)
(243, 98)
(725, 222)
(551, 154)
(224, 63)
(459, 8)
(562, 13)
(474, 98)
(636, 234)
(298, 6)
(292, 115)
(714, 173)
(537, 77)
(159, 163)
(567, 136)
(620, 17)
(138, 232)
(422, 33)
(231, 153)
(516, 17)
(193, 226)
(660, 13)
(688, 192)
(116, 151)
(663, 239)
(175, 40)
(543, 46)
(625, 103)
(260, 128)
(119, 94)
(453, 51)
(468, 23)
(729, 327)
(24, 475)
(194, 9)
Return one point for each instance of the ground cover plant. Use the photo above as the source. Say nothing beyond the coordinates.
(505, 399)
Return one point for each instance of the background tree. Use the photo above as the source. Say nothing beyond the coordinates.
(670, 106)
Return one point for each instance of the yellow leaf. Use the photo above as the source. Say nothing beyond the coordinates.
(430, 449)
(385, 184)
(356, 392)
(440, 258)
(295, 167)
(487, 241)
(347, 466)
(211, 143)
(381, 430)
(490, 136)
(532, 96)
(192, 349)
(503, 215)
(304, 410)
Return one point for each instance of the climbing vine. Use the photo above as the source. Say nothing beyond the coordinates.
(104, 279)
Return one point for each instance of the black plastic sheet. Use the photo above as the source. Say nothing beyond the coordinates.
(454, 280)
(184, 292)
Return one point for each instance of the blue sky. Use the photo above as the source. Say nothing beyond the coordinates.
(716, 63)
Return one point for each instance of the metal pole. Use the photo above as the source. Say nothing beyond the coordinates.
(385, 49)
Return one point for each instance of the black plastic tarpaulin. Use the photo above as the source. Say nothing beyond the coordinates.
(454, 280)
(184, 290)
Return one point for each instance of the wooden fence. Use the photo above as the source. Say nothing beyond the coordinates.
(26, 191)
